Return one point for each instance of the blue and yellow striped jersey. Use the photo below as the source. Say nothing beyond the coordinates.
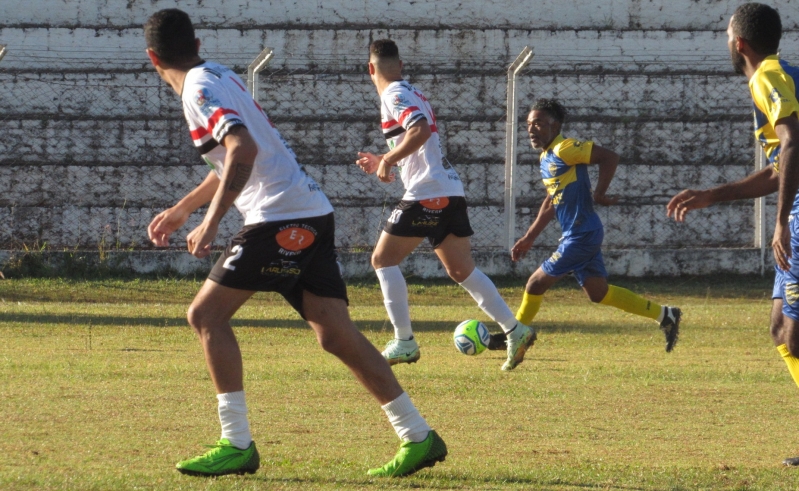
(565, 175)
(774, 97)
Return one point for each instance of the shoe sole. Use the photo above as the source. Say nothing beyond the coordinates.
(239, 472)
(518, 358)
(422, 465)
(397, 361)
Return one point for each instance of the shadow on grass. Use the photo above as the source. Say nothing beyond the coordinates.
(369, 325)
(450, 481)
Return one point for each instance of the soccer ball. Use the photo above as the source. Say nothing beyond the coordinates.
(471, 337)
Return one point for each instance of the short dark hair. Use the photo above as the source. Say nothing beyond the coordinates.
(170, 35)
(552, 107)
(759, 25)
(384, 49)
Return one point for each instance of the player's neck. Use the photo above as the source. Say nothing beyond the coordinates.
(174, 77)
(382, 82)
(753, 64)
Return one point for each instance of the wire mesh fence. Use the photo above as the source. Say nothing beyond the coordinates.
(91, 154)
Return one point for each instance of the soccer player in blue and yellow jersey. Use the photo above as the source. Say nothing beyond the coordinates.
(754, 34)
(564, 169)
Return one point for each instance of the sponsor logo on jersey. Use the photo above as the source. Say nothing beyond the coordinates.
(294, 238)
(775, 95)
(206, 102)
(791, 293)
(400, 101)
(434, 205)
(281, 268)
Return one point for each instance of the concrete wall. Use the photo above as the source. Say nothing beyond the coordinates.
(96, 144)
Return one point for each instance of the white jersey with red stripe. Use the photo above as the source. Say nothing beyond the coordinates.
(425, 173)
(215, 100)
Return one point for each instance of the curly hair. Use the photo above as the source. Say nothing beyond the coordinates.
(760, 26)
(552, 107)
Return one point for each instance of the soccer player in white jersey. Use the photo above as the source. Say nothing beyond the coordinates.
(286, 246)
(433, 206)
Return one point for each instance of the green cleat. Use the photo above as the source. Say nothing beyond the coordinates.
(413, 456)
(223, 458)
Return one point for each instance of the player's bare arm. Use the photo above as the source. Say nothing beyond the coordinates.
(239, 159)
(761, 183)
(787, 130)
(415, 137)
(166, 222)
(545, 215)
(607, 160)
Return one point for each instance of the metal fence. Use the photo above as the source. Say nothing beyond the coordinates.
(89, 155)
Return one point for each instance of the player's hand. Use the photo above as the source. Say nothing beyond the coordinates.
(164, 224)
(368, 162)
(520, 248)
(604, 200)
(688, 199)
(384, 172)
(781, 244)
(199, 240)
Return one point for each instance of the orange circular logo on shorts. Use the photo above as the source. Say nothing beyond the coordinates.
(294, 238)
(435, 203)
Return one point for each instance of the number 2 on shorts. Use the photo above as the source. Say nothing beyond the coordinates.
(237, 250)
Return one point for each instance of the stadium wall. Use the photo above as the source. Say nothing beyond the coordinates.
(664, 42)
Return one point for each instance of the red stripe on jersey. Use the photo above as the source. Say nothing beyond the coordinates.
(217, 116)
(433, 128)
(388, 124)
(407, 113)
(198, 133)
(236, 82)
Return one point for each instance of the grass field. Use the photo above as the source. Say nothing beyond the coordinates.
(104, 387)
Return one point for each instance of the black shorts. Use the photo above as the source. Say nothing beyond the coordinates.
(434, 218)
(286, 257)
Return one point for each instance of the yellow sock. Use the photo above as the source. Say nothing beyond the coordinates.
(624, 299)
(528, 308)
(791, 361)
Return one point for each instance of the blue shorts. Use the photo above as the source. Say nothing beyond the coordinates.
(786, 283)
(580, 254)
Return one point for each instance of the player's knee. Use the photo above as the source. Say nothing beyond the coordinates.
(196, 317)
(595, 297)
(458, 275)
(330, 343)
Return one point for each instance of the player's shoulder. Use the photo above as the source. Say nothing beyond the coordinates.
(567, 144)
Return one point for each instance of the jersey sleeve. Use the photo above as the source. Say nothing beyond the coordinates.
(211, 111)
(774, 94)
(398, 103)
(573, 152)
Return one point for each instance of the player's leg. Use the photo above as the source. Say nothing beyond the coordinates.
(455, 254)
(210, 315)
(785, 328)
(389, 252)
(668, 318)
(337, 335)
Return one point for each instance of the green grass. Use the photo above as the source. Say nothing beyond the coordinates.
(104, 387)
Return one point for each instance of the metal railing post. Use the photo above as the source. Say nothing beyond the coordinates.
(760, 212)
(258, 64)
(510, 145)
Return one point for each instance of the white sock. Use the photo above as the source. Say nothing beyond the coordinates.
(395, 297)
(482, 289)
(233, 417)
(662, 314)
(406, 420)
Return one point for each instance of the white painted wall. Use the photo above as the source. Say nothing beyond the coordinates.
(604, 59)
